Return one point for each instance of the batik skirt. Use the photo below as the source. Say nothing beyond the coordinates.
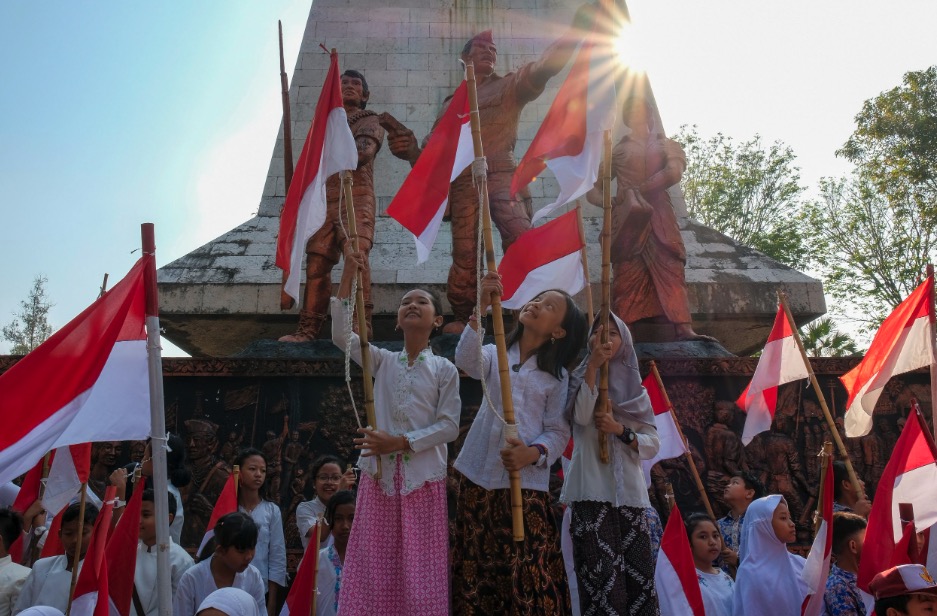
(493, 574)
(613, 560)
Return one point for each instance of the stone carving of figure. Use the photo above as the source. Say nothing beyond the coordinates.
(231, 447)
(875, 454)
(137, 448)
(724, 453)
(785, 474)
(103, 460)
(329, 243)
(273, 451)
(500, 100)
(648, 255)
(209, 474)
(291, 455)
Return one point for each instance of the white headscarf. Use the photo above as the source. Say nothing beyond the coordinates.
(231, 601)
(41, 610)
(769, 577)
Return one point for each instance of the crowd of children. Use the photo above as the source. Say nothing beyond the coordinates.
(385, 546)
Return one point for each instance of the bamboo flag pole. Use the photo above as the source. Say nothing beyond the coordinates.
(853, 478)
(601, 403)
(158, 436)
(826, 458)
(315, 565)
(287, 123)
(933, 342)
(32, 555)
(497, 318)
(584, 254)
(688, 454)
(367, 381)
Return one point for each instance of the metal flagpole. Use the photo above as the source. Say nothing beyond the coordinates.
(157, 424)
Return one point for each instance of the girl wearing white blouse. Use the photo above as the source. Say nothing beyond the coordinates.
(270, 554)
(397, 556)
(495, 575)
(614, 565)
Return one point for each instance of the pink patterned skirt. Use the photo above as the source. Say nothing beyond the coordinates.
(397, 561)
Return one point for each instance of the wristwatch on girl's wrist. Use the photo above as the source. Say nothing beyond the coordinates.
(627, 436)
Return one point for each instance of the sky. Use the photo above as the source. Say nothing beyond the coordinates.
(116, 113)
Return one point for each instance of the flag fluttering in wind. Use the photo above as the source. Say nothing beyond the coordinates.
(122, 552)
(569, 141)
(909, 477)
(420, 203)
(87, 382)
(28, 494)
(901, 344)
(303, 591)
(547, 257)
(675, 577)
(227, 503)
(329, 148)
(671, 445)
(70, 468)
(91, 592)
(817, 568)
(780, 363)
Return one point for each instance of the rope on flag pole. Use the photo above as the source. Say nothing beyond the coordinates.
(689, 456)
(497, 318)
(602, 403)
(826, 458)
(853, 478)
(367, 381)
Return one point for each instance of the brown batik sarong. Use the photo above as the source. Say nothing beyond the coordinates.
(492, 574)
(613, 561)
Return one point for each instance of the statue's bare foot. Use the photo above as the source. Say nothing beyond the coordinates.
(684, 331)
(453, 327)
(297, 337)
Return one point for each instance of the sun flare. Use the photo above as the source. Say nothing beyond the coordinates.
(634, 48)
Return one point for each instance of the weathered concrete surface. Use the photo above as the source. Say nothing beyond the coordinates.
(222, 296)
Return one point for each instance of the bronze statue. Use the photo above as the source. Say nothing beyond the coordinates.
(329, 243)
(648, 255)
(209, 474)
(500, 102)
(231, 447)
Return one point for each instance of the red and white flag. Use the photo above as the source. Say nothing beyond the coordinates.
(28, 494)
(303, 591)
(53, 545)
(86, 383)
(70, 467)
(547, 257)
(227, 503)
(902, 343)
(817, 568)
(909, 477)
(675, 577)
(329, 148)
(671, 445)
(420, 203)
(569, 141)
(92, 579)
(781, 362)
(122, 552)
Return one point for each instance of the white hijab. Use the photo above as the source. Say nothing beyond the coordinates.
(231, 601)
(769, 577)
(41, 610)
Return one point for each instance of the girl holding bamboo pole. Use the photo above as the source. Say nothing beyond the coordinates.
(398, 551)
(609, 527)
(498, 575)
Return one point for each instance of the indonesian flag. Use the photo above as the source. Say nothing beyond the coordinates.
(71, 467)
(569, 141)
(303, 590)
(122, 552)
(92, 579)
(86, 383)
(675, 577)
(329, 148)
(28, 494)
(53, 545)
(227, 503)
(817, 568)
(671, 445)
(909, 477)
(420, 203)
(903, 343)
(780, 363)
(547, 257)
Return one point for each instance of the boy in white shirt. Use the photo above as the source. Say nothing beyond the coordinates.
(145, 577)
(12, 575)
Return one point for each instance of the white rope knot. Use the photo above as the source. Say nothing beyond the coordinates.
(479, 171)
(510, 431)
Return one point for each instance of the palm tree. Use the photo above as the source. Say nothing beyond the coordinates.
(821, 339)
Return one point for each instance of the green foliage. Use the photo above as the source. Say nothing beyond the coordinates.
(821, 339)
(872, 234)
(30, 327)
(748, 191)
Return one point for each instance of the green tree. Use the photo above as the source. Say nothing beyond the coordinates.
(749, 191)
(821, 339)
(872, 234)
(30, 327)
